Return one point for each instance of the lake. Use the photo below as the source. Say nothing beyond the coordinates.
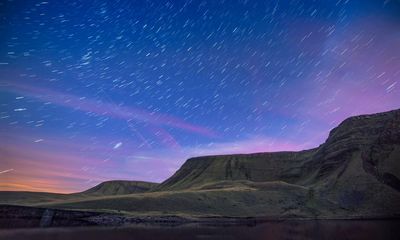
(315, 229)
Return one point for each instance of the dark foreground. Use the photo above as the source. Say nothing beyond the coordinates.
(18, 222)
(305, 229)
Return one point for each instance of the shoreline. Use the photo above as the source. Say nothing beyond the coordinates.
(15, 216)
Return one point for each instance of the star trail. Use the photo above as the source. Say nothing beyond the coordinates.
(101, 90)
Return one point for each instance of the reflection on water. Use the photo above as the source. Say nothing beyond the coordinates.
(326, 229)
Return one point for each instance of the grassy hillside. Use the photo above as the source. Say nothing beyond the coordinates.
(244, 199)
(119, 187)
(258, 167)
(28, 198)
(109, 188)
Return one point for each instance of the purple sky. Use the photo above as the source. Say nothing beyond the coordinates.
(130, 90)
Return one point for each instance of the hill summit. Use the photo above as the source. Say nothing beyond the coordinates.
(119, 187)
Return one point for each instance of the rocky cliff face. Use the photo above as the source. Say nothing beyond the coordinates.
(358, 166)
(378, 133)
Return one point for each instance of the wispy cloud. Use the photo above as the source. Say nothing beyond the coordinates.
(250, 145)
(106, 108)
(6, 171)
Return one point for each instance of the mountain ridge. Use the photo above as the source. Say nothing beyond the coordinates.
(308, 157)
(354, 173)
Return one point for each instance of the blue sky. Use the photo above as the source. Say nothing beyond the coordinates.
(99, 90)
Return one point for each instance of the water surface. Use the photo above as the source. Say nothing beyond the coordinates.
(323, 229)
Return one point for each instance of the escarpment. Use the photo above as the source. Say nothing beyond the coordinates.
(372, 138)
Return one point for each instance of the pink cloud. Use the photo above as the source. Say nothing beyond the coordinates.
(359, 73)
(250, 145)
(103, 108)
(50, 166)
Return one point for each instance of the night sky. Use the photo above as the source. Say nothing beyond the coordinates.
(101, 90)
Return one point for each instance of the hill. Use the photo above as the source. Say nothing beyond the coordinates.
(354, 174)
(108, 188)
(119, 187)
